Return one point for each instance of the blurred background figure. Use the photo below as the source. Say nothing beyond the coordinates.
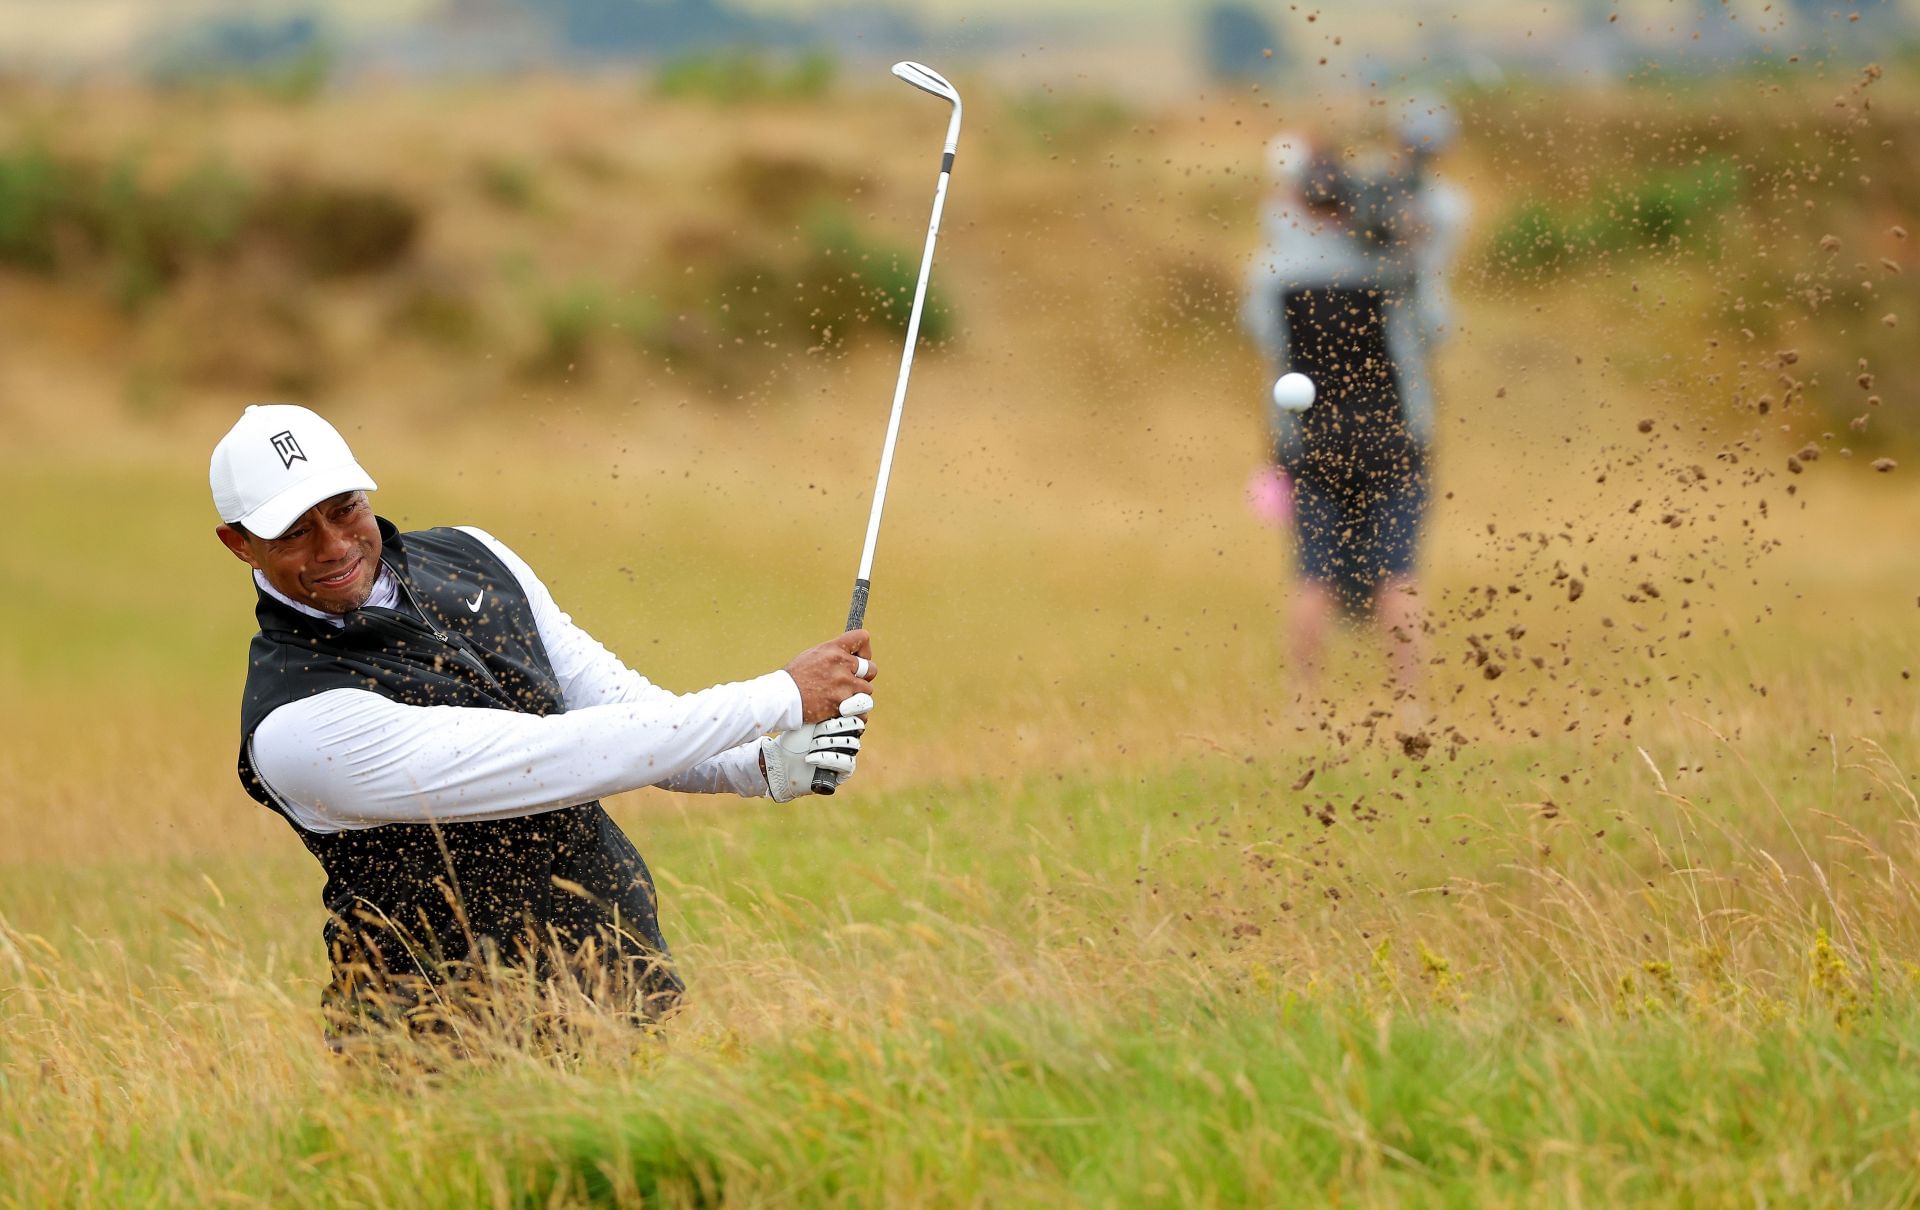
(1351, 291)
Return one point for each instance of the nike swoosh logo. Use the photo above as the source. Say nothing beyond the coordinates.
(473, 606)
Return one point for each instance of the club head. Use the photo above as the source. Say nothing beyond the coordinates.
(927, 80)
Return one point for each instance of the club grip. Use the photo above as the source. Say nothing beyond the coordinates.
(857, 612)
(826, 781)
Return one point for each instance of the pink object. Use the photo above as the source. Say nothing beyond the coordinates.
(1270, 495)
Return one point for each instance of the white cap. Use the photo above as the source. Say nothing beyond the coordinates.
(275, 463)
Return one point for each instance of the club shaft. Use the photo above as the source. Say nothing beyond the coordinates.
(825, 782)
(865, 576)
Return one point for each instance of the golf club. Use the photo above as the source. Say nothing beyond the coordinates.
(927, 80)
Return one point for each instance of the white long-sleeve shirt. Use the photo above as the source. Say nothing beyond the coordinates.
(350, 758)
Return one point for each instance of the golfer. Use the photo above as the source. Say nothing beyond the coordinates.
(439, 733)
(1351, 290)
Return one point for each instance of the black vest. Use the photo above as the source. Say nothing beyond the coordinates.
(412, 901)
(1337, 336)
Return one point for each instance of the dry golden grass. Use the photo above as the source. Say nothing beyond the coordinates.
(1640, 925)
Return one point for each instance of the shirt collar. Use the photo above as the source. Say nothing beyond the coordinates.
(385, 595)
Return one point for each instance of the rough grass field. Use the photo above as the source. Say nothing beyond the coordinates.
(1113, 914)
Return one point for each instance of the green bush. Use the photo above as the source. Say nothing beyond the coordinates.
(1072, 119)
(1672, 212)
(857, 282)
(119, 225)
(438, 309)
(60, 215)
(735, 76)
(297, 81)
(568, 319)
(838, 283)
(335, 230)
(509, 184)
(720, 309)
(781, 186)
(1531, 241)
(34, 202)
(286, 59)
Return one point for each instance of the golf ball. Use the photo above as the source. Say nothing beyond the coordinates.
(1293, 392)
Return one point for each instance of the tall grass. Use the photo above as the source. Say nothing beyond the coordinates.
(1118, 911)
(1091, 989)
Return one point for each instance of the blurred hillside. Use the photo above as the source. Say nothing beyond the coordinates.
(737, 231)
(646, 326)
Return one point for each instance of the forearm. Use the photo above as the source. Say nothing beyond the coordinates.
(351, 759)
(735, 771)
(590, 675)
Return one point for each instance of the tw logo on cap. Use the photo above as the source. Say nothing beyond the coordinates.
(288, 449)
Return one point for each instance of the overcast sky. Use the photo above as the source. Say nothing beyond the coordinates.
(91, 29)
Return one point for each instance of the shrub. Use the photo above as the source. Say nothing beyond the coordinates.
(779, 186)
(840, 282)
(286, 59)
(334, 230)
(1070, 119)
(36, 200)
(438, 309)
(1663, 211)
(722, 309)
(855, 282)
(1531, 241)
(568, 319)
(508, 184)
(117, 224)
(60, 215)
(736, 76)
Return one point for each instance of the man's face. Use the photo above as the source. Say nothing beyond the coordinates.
(328, 558)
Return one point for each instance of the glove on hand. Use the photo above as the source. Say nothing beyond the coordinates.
(790, 757)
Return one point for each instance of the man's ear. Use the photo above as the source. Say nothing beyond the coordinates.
(236, 542)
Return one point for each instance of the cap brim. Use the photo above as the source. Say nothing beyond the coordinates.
(271, 519)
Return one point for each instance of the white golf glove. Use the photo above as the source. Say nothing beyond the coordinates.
(791, 756)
